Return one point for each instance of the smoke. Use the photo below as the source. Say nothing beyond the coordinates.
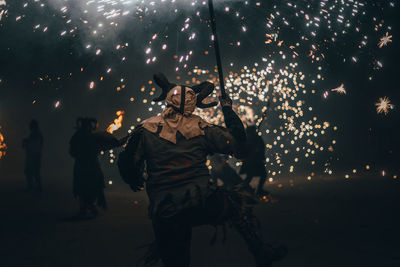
(108, 21)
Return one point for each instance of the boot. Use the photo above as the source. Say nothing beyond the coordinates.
(244, 222)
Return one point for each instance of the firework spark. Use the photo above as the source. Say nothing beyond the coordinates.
(383, 105)
(2, 11)
(385, 40)
(293, 136)
(293, 130)
(340, 89)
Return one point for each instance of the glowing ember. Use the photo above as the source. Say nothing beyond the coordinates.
(383, 105)
(3, 146)
(117, 122)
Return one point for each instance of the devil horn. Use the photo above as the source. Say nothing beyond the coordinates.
(203, 90)
(165, 85)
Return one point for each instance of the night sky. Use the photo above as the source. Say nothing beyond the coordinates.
(51, 54)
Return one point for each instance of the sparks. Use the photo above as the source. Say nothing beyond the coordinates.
(385, 40)
(383, 105)
(2, 12)
(340, 89)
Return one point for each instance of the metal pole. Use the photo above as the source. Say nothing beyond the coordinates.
(216, 47)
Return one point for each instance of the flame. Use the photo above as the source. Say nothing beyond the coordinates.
(117, 122)
(3, 146)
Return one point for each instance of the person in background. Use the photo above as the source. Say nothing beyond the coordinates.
(254, 163)
(88, 183)
(33, 146)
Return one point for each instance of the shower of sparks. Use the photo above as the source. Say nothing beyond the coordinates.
(385, 40)
(3, 146)
(340, 89)
(301, 37)
(292, 131)
(313, 27)
(383, 105)
(117, 122)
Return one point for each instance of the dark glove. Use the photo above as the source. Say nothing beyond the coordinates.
(225, 102)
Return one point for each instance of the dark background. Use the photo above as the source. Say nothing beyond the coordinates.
(328, 221)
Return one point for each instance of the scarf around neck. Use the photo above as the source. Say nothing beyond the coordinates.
(178, 116)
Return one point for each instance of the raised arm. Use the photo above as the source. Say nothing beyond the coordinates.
(229, 140)
(131, 161)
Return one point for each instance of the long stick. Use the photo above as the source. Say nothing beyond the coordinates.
(264, 116)
(216, 47)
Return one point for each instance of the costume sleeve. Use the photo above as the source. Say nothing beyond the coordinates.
(234, 124)
(106, 141)
(221, 141)
(230, 140)
(131, 160)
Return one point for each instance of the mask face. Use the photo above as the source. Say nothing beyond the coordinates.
(182, 98)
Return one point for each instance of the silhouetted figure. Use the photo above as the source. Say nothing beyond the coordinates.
(33, 146)
(223, 171)
(254, 163)
(174, 146)
(88, 183)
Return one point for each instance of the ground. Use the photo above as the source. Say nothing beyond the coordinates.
(324, 222)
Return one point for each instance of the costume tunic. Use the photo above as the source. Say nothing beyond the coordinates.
(33, 146)
(177, 172)
(88, 178)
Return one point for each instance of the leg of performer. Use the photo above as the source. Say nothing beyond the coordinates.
(248, 179)
(243, 221)
(173, 238)
(37, 175)
(29, 175)
(260, 188)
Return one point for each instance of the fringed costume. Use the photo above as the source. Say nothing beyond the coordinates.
(173, 149)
